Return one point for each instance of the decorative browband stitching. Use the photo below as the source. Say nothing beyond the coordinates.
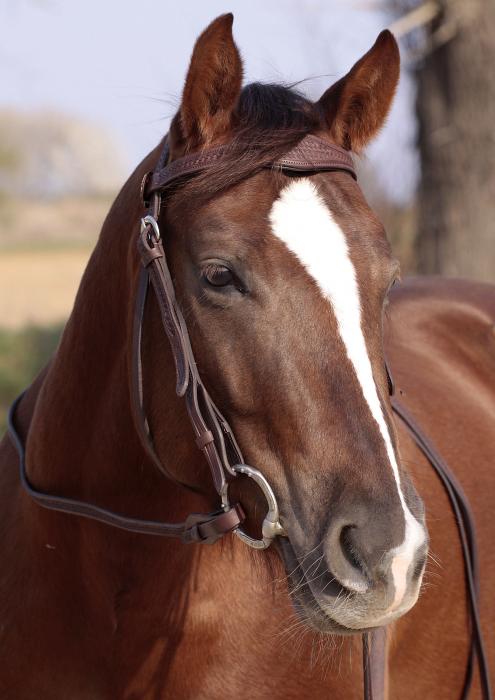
(311, 155)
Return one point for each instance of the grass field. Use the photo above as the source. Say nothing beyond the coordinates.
(44, 248)
(38, 287)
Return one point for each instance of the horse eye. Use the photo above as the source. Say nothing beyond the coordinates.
(218, 275)
(392, 284)
(386, 298)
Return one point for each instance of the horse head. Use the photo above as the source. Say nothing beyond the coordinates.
(283, 281)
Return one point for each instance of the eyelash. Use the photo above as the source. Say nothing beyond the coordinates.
(232, 280)
(214, 269)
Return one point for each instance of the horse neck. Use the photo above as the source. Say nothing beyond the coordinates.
(83, 444)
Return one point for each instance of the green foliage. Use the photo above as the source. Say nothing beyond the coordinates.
(22, 354)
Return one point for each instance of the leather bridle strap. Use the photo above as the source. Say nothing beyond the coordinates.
(312, 154)
(467, 533)
(190, 530)
(212, 432)
(375, 663)
(374, 643)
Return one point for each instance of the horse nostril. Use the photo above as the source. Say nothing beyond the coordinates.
(349, 550)
(344, 557)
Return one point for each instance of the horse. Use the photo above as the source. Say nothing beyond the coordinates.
(285, 282)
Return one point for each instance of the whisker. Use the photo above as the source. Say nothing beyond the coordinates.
(434, 559)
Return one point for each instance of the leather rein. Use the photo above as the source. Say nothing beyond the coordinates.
(212, 432)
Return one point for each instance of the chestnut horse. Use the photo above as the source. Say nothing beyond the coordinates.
(283, 282)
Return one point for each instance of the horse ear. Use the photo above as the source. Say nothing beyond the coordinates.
(354, 109)
(212, 88)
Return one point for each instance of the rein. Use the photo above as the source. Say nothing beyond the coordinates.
(467, 533)
(212, 432)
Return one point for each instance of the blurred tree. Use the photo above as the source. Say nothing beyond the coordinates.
(456, 112)
(48, 154)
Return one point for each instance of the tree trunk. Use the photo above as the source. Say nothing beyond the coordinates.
(456, 111)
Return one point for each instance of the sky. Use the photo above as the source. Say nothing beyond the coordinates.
(121, 64)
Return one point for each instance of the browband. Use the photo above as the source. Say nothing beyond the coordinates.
(311, 155)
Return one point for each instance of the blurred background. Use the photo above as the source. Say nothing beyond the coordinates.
(87, 89)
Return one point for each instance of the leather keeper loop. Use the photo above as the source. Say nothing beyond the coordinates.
(150, 254)
(204, 439)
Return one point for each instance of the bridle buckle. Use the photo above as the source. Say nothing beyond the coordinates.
(150, 225)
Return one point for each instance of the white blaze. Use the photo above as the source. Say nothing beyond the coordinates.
(300, 218)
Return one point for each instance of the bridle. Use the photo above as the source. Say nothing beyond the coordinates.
(212, 432)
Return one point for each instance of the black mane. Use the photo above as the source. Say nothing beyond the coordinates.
(269, 120)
